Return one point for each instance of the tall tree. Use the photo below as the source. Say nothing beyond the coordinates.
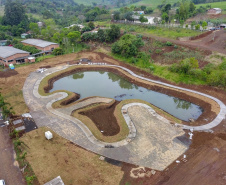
(14, 13)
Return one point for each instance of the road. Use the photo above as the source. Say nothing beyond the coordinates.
(9, 170)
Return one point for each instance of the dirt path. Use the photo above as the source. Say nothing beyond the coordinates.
(9, 170)
(205, 43)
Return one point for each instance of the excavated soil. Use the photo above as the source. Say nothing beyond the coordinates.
(103, 117)
(8, 73)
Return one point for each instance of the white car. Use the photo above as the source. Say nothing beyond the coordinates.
(2, 182)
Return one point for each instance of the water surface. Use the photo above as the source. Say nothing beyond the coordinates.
(110, 85)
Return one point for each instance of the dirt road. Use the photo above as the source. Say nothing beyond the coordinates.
(216, 41)
(9, 171)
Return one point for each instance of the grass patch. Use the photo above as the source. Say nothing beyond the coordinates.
(163, 72)
(60, 157)
(221, 5)
(172, 33)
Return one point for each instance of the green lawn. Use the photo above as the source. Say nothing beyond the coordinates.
(88, 2)
(153, 3)
(172, 33)
(221, 5)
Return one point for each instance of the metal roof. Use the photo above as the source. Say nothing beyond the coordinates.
(7, 51)
(37, 42)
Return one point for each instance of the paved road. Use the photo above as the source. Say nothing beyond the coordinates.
(9, 171)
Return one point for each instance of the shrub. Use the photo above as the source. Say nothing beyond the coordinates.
(175, 46)
(222, 66)
(169, 43)
(157, 51)
(58, 51)
(127, 46)
(209, 68)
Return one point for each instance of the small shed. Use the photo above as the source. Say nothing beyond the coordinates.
(3, 42)
(24, 35)
(56, 181)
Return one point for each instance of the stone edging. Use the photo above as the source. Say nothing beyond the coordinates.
(132, 129)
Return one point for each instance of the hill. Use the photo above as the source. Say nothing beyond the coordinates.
(154, 3)
(221, 5)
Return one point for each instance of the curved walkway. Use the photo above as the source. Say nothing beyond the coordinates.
(75, 131)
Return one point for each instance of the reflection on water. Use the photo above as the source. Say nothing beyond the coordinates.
(107, 84)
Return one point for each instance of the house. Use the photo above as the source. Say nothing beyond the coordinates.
(3, 42)
(138, 12)
(11, 55)
(24, 35)
(214, 11)
(79, 25)
(44, 46)
(222, 26)
(40, 24)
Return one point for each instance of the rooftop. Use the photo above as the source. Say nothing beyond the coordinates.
(38, 42)
(7, 51)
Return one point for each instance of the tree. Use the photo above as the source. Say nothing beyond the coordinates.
(197, 27)
(91, 25)
(127, 45)
(116, 15)
(143, 19)
(74, 36)
(204, 25)
(34, 28)
(165, 17)
(58, 51)
(101, 35)
(14, 13)
(143, 7)
(113, 33)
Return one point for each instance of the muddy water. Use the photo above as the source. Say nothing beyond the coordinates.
(107, 84)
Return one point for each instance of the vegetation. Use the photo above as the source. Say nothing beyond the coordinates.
(29, 49)
(5, 108)
(107, 35)
(127, 46)
(21, 157)
(173, 33)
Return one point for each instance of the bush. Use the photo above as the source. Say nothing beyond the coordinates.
(127, 46)
(58, 51)
(222, 66)
(169, 43)
(175, 46)
(157, 51)
(209, 68)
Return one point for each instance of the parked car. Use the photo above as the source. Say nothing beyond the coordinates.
(2, 182)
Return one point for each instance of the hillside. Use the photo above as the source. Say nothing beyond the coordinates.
(221, 5)
(153, 3)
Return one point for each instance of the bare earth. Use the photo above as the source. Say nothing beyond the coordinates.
(9, 168)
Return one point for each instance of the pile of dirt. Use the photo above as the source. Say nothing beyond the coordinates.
(103, 117)
(8, 73)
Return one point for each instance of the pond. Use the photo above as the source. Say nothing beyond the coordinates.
(110, 85)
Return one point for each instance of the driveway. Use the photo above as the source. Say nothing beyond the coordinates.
(9, 171)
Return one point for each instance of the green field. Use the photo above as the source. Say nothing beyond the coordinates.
(154, 3)
(172, 33)
(221, 5)
(88, 2)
